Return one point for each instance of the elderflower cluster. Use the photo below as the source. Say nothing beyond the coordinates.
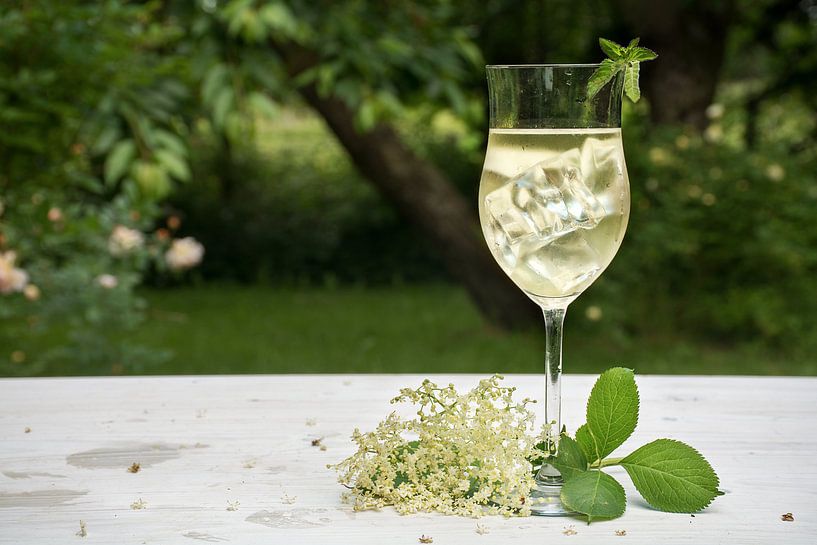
(464, 454)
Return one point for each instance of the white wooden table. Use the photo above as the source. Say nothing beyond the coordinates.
(230, 460)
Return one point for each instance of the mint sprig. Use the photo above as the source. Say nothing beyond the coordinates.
(670, 475)
(621, 59)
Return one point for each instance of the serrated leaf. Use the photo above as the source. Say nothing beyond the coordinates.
(603, 74)
(611, 48)
(595, 494)
(641, 54)
(612, 413)
(633, 43)
(119, 160)
(672, 476)
(631, 82)
(586, 442)
(570, 460)
(174, 164)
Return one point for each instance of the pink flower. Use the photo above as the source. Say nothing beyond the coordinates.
(184, 253)
(11, 278)
(54, 214)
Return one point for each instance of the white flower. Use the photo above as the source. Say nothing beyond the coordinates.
(714, 111)
(107, 281)
(32, 292)
(124, 240)
(593, 313)
(466, 454)
(713, 133)
(775, 172)
(184, 253)
(11, 278)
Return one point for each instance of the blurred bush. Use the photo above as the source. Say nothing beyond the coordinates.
(717, 229)
(719, 244)
(86, 151)
(299, 212)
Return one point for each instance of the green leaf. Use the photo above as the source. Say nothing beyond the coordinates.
(631, 82)
(152, 179)
(222, 105)
(263, 104)
(595, 494)
(570, 460)
(174, 164)
(603, 74)
(366, 116)
(106, 139)
(621, 59)
(672, 476)
(119, 160)
(279, 19)
(641, 54)
(611, 48)
(170, 142)
(612, 413)
(216, 78)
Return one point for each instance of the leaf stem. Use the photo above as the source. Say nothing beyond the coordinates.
(606, 462)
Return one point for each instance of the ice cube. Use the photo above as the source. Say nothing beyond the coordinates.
(565, 262)
(565, 173)
(601, 163)
(544, 202)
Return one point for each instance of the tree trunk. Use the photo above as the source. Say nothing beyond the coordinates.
(425, 197)
(690, 39)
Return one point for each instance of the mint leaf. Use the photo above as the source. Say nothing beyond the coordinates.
(641, 54)
(611, 48)
(603, 74)
(612, 413)
(594, 494)
(621, 59)
(631, 82)
(672, 476)
(570, 460)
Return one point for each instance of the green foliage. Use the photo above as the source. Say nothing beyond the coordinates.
(715, 230)
(140, 103)
(612, 414)
(672, 476)
(595, 494)
(570, 459)
(80, 159)
(669, 474)
(621, 59)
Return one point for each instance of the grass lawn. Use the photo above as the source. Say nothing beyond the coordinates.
(410, 329)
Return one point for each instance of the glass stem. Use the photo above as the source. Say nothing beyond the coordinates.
(554, 320)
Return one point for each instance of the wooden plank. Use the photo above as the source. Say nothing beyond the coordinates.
(205, 443)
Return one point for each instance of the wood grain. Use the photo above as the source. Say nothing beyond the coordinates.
(230, 460)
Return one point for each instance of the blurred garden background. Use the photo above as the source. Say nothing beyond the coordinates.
(266, 186)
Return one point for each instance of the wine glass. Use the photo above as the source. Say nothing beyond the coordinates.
(554, 200)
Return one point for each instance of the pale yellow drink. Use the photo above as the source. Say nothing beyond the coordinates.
(553, 204)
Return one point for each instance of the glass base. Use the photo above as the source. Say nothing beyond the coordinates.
(546, 499)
